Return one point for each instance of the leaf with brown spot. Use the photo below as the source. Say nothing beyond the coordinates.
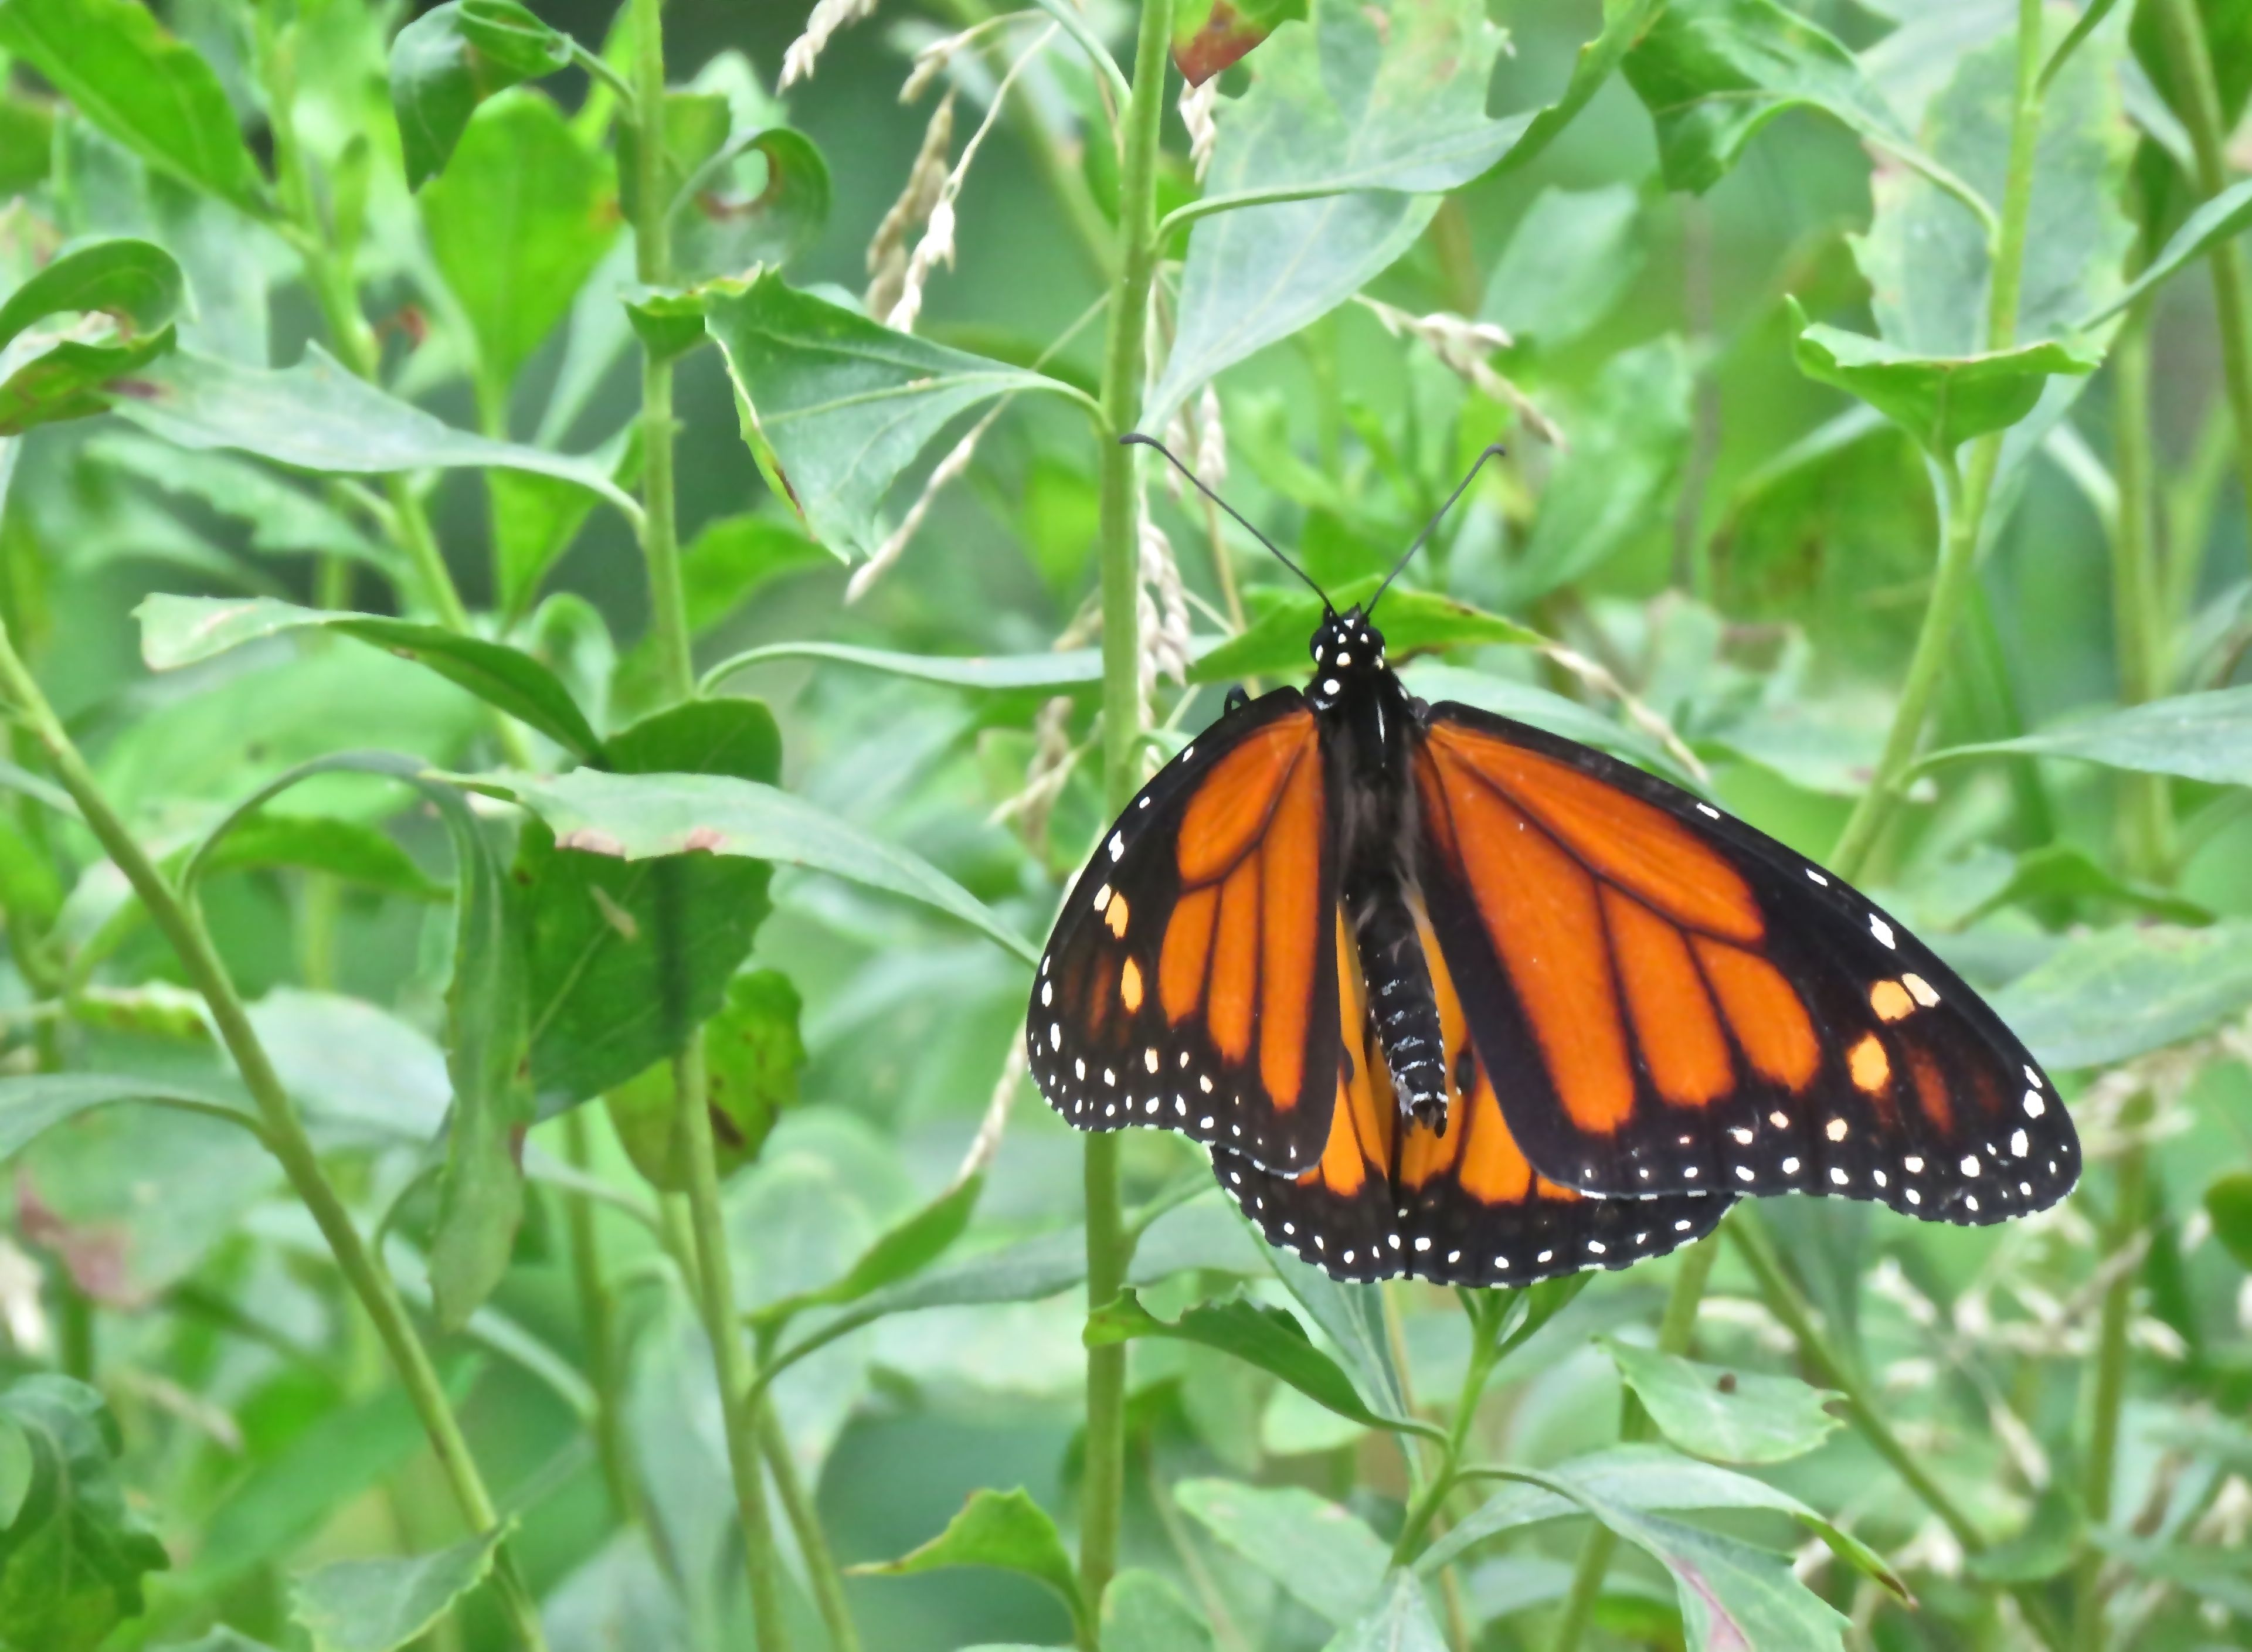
(1212, 35)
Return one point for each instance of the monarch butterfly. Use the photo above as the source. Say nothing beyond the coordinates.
(1451, 996)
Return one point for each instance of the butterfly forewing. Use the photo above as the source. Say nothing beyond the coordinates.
(1191, 981)
(1390, 1196)
(1677, 1003)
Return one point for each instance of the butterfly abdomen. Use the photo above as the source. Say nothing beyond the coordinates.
(1400, 1001)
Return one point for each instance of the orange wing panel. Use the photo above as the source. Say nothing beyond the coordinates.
(1771, 1022)
(1231, 805)
(1360, 1123)
(1234, 987)
(1290, 863)
(1674, 1024)
(1187, 948)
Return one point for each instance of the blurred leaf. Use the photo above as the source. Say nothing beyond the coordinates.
(158, 98)
(2228, 1202)
(1401, 1622)
(733, 557)
(900, 1252)
(27, 144)
(1280, 642)
(1143, 1611)
(752, 1056)
(520, 219)
(2113, 994)
(2202, 736)
(15, 1469)
(696, 127)
(535, 519)
(1941, 401)
(1713, 72)
(1618, 480)
(1571, 257)
(45, 378)
(452, 58)
(488, 1031)
(635, 816)
(221, 1640)
(719, 228)
(178, 631)
(72, 1558)
(844, 405)
(1351, 1315)
(628, 957)
(2219, 219)
(316, 416)
(2221, 1575)
(2063, 871)
(1072, 668)
(138, 283)
(668, 321)
(1727, 1415)
(2041, 1551)
(281, 517)
(1269, 1338)
(1324, 1555)
(1002, 1529)
(33, 1104)
(1211, 35)
(1356, 116)
(1524, 703)
(376, 1605)
(1642, 1477)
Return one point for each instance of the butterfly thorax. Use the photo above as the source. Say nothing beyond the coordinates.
(1369, 722)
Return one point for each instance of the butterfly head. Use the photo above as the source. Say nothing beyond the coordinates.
(1347, 648)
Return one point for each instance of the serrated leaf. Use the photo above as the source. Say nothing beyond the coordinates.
(73, 1558)
(1727, 1415)
(377, 1606)
(157, 97)
(1322, 1554)
(844, 405)
(178, 631)
(452, 58)
(1002, 1529)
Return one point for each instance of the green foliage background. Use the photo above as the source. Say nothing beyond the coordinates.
(556, 676)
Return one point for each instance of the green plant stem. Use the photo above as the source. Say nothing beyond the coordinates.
(2190, 58)
(2146, 801)
(1414, 1530)
(821, 1568)
(280, 1127)
(1108, 1247)
(2106, 1380)
(1968, 485)
(1675, 1329)
(660, 541)
(597, 1323)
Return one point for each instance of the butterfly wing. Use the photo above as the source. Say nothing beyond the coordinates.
(1682, 1002)
(1191, 981)
(1461, 1209)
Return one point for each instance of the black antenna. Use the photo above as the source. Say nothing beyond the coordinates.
(1135, 438)
(1495, 450)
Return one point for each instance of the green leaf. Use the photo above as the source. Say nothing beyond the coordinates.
(1212, 35)
(1732, 1593)
(43, 377)
(1570, 259)
(346, 849)
(1713, 72)
(15, 1469)
(843, 404)
(628, 957)
(1278, 643)
(1640, 1478)
(752, 1051)
(1269, 1338)
(2228, 1202)
(221, 1641)
(1072, 668)
(668, 321)
(2216, 1574)
(376, 1605)
(635, 816)
(900, 1252)
(178, 631)
(1941, 401)
(520, 218)
(33, 1104)
(720, 227)
(2219, 219)
(1525, 703)
(281, 518)
(2200, 736)
(2046, 1545)
(1352, 1317)
(73, 1560)
(1143, 1611)
(2065, 872)
(1356, 118)
(317, 416)
(138, 283)
(1401, 1621)
(1003, 1529)
(1325, 1556)
(452, 58)
(68, 379)
(733, 557)
(158, 98)
(1727, 1415)
(2113, 994)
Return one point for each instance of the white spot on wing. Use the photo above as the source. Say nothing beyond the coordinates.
(1708, 810)
(1880, 929)
(1117, 846)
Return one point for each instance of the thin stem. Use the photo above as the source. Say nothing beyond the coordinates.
(284, 1134)
(1107, 1246)
(660, 542)
(1414, 1530)
(598, 1321)
(1675, 1329)
(812, 1543)
(2146, 801)
(2191, 60)
(1967, 486)
(2106, 1382)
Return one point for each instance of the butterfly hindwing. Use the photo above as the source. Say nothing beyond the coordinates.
(1389, 1196)
(1678, 1003)
(1191, 981)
